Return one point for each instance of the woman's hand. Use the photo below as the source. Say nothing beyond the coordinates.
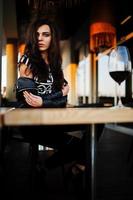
(33, 100)
(65, 90)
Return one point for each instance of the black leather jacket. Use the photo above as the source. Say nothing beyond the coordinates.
(50, 97)
(54, 99)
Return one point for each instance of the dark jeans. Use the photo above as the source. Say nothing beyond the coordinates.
(69, 148)
(52, 136)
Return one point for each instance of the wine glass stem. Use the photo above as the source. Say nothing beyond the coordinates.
(119, 97)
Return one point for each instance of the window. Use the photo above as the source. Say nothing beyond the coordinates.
(83, 74)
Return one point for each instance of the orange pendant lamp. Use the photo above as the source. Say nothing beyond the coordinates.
(102, 36)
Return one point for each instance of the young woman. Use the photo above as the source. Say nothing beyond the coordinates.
(42, 84)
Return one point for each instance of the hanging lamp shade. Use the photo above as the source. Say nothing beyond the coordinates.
(102, 36)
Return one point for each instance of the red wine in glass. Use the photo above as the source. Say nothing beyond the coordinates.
(119, 76)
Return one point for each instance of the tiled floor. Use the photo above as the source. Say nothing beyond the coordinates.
(114, 173)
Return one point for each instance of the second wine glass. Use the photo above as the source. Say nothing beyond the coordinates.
(119, 67)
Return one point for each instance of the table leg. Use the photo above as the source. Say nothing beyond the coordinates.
(91, 162)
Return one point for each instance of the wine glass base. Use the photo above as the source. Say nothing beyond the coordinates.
(120, 107)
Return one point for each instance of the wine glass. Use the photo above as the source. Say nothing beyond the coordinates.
(119, 68)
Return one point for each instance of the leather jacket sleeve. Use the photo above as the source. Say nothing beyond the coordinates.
(55, 99)
(53, 102)
(51, 96)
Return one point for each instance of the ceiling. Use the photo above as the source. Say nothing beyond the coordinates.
(70, 15)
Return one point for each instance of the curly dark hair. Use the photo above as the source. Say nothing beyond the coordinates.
(39, 67)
